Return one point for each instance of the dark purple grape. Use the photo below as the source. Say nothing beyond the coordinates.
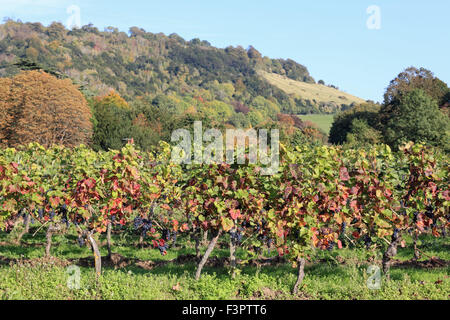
(395, 234)
(80, 241)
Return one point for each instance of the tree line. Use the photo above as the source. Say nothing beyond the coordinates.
(415, 108)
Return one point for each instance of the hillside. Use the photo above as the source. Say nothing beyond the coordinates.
(141, 63)
(313, 94)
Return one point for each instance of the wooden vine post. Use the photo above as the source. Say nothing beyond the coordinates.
(388, 255)
(233, 258)
(96, 252)
(205, 257)
(108, 239)
(49, 235)
(26, 229)
(300, 276)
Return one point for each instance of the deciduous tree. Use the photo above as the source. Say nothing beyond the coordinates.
(38, 107)
(342, 124)
(413, 78)
(418, 119)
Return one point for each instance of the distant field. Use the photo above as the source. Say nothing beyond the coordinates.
(310, 91)
(323, 121)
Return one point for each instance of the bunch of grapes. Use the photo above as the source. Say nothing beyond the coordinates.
(163, 249)
(137, 222)
(80, 241)
(331, 246)
(433, 217)
(146, 226)
(236, 236)
(395, 234)
(65, 220)
(40, 213)
(166, 235)
(174, 237)
(63, 212)
(367, 241)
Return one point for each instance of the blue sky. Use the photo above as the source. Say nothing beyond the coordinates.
(329, 37)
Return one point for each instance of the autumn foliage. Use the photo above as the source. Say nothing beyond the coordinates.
(112, 98)
(38, 107)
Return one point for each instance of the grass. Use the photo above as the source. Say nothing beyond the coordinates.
(340, 274)
(309, 91)
(323, 121)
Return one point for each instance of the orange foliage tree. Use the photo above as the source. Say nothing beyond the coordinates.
(112, 98)
(38, 107)
(5, 114)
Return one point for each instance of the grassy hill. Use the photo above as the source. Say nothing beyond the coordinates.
(316, 94)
